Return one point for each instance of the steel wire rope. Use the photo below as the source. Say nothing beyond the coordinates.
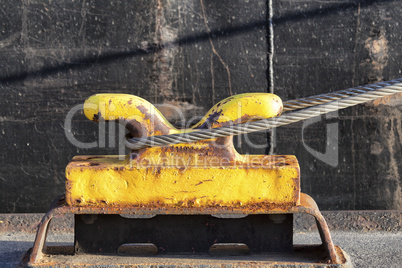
(308, 107)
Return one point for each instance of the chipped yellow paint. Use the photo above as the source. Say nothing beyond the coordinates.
(129, 108)
(237, 109)
(243, 108)
(259, 180)
(205, 173)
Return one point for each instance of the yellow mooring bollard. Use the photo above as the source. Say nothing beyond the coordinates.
(202, 174)
(192, 205)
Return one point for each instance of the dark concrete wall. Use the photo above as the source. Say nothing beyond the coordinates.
(321, 47)
(191, 54)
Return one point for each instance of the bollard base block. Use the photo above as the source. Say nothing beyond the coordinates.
(192, 237)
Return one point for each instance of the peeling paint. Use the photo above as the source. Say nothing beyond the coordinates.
(377, 46)
(392, 100)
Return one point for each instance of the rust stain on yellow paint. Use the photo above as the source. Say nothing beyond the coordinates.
(143, 116)
(110, 181)
(200, 174)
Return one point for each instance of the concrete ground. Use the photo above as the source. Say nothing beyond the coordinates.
(372, 239)
(366, 249)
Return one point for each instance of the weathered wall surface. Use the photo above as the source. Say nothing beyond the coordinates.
(322, 47)
(191, 54)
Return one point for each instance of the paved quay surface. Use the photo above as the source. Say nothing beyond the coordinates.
(370, 238)
(366, 249)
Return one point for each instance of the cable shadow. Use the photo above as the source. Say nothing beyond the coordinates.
(107, 57)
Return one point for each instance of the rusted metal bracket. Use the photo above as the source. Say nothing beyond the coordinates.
(255, 222)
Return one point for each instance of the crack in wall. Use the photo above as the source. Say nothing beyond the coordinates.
(213, 47)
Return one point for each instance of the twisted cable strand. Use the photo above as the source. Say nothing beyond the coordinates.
(322, 104)
(324, 98)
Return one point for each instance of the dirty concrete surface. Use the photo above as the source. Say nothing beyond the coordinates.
(370, 238)
(366, 249)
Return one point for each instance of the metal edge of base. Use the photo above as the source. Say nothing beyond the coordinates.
(58, 207)
(205, 261)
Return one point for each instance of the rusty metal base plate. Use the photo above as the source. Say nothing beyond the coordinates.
(208, 237)
(302, 256)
